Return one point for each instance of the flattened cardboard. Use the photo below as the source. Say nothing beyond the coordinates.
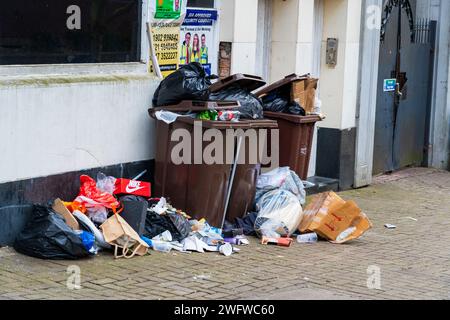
(318, 207)
(60, 208)
(329, 216)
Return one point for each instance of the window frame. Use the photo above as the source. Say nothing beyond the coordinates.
(213, 7)
(140, 66)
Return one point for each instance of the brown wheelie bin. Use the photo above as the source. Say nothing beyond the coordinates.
(296, 135)
(295, 132)
(244, 183)
(200, 189)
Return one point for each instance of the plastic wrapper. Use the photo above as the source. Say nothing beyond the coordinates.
(190, 82)
(228, 115)
(279, 214)
(47, 236)
(251, 107)
(94, 200)
(105, 183)
(208, 115)
(281, 178)
(88, 240)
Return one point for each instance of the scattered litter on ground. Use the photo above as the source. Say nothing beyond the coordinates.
(202, 277)
(390, 226)
(118, 215)
(307, 238)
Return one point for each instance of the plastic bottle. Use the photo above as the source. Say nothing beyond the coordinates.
(345, 234)
(307, 238)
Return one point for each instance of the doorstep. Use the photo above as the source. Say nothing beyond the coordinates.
(322, 184)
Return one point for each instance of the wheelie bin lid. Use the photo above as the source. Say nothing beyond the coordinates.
(197, 105)
(242, 124)
(245, 81)
(292, 117)
(281, 83)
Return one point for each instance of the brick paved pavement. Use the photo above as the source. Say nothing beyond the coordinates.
(413, 259)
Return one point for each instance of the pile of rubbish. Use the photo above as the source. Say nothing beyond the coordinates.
(118, 215)
(279, 200)
(104, 217)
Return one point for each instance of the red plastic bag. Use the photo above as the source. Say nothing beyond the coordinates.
(94, 200)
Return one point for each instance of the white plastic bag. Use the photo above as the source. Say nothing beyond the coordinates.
(272, 179)
(280, 214)
(281, 178)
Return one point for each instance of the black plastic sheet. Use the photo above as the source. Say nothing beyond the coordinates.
(47, 236)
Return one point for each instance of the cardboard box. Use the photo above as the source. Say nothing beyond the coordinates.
(318, 207)
(304, 93)
(60, 208)
(334, 219)
(132, 187)
(298, 92)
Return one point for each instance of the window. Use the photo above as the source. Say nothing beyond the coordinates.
(69, 31)
(200, 3)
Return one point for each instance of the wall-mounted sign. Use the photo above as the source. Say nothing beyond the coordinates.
(166, 17)
(197, 38)
(389, 85)
(168, 9)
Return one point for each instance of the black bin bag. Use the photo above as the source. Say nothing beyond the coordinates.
(47, 236)
(251, 106)
(190, 82)
(176, 224)
(280, 102)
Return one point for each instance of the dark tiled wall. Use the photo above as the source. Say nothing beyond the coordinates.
(16, 198)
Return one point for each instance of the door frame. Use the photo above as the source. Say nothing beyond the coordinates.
(264, 39)
(367, 93)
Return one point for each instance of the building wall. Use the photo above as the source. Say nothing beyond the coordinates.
(293, 49)
(226, 20)
(339, 87)
(292, 38)
(339, 84)
(57, 127)
(56, 124)
(238, 24)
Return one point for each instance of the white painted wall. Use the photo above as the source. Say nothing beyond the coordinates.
(226, 20)
(73, 123)
(292, 38)
(243, 57)
(339, 85)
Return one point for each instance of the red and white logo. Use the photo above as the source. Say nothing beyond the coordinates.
(133, 186)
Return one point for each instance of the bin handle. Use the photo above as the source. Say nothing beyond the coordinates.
(230, 186)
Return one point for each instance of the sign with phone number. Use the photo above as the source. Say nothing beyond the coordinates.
(166, 44)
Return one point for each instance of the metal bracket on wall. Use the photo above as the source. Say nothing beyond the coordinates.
(332, 52)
